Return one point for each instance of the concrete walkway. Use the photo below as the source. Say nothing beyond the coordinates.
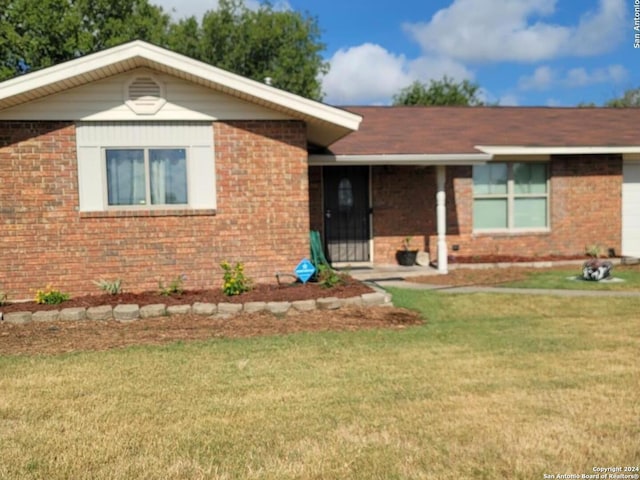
(394, 276)
(523, 291)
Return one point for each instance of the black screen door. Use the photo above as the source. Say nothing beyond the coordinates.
(346, 214)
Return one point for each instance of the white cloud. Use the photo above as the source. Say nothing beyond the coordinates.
(499, 30)
(581, 77)
(542, 79)
(597, 32)
(509, 100)
(369, 74)
(545, 78)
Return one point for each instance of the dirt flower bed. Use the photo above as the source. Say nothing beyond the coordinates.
(37, 338)
(260, 293)
(59, 337)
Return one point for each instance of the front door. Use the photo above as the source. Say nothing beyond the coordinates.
(346, 214)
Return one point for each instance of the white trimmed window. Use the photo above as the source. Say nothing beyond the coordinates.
(510, 196)
(146, 176)
(145, 165)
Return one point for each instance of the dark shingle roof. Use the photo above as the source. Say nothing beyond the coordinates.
(448, 130)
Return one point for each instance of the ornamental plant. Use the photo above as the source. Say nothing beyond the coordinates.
(234, 281)
(329, 278)
(51, 296)
(3, 298)
(175, 286)
(112, 287)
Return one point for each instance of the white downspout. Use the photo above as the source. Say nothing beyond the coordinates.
(441, 212)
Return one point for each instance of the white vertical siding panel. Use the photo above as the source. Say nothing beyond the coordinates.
(631, 209)
(91, 179)
(197, 137)
(201, 178)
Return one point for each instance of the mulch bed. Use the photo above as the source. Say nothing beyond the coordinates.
(38, 338)
(260, 293)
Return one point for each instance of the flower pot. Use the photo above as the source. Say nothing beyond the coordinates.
(406, 258)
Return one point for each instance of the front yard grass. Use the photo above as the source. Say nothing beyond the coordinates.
(569, 278)
(492, 386)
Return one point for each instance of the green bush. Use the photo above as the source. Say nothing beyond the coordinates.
(329, 278)
(234, 280)
(175, 287)
(51, 296)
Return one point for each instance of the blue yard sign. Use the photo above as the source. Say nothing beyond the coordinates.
(305, 270)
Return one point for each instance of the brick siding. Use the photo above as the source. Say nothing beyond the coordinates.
(585, 208)
(262, 216)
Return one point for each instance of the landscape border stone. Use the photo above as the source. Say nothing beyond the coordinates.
(130, 312)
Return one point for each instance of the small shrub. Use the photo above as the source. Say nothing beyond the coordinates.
(3, 298)
(329, 278)
(234, 280)
(112, 287)
(594, 251)
(175, 287)
(51, 296)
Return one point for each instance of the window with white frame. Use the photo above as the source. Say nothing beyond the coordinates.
(145, 165)
(146, 176)
(510, 196)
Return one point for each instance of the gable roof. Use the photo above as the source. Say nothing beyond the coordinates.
(325, 124)
(443, 131)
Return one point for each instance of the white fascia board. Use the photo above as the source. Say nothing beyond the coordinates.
(247, 87)
(208, 74)
(515, 150)
(401, 159)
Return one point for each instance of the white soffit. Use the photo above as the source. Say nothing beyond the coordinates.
(325, 124)
(401, 159)
(517, 150)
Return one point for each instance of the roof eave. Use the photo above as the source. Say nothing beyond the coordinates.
(401, 159)
(521, 150)
(327, 124)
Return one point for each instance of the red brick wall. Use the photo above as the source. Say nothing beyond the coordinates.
(585, 208)
(403, 206)
(262, 217)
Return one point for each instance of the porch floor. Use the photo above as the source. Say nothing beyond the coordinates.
(376, 273)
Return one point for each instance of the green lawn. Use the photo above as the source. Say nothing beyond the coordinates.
(569, 278)
(492, 386)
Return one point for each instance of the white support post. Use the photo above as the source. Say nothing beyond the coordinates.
(441, 212)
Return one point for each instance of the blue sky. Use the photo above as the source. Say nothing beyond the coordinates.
(521, 52)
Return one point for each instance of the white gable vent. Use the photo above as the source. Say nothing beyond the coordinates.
(144, 95)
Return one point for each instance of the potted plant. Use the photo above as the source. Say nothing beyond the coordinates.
(406, 257)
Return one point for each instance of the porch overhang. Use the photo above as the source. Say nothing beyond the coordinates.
(419, 159)
(498, 152)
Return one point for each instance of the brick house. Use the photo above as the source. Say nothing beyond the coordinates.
(469, 184)
(142, 164)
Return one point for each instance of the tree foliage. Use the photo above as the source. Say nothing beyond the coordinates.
(439, 93)
(630, 98)
(38, 34)
(284, 46)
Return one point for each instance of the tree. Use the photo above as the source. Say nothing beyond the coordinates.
(439, 92)
(264, 43)
(630, 98)
(38, 34)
